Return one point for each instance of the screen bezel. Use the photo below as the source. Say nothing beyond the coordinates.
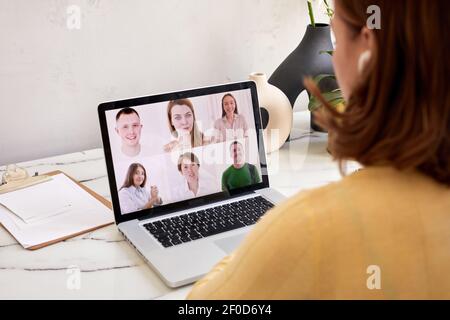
(195, 202)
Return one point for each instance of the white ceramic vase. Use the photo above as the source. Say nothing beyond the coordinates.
(276, 112)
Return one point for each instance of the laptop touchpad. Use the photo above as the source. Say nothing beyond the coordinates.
(229, 244)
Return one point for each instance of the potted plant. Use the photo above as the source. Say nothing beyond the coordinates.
(329, 10)
(306, 60)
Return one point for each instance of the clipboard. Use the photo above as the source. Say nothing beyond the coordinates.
(95, 195)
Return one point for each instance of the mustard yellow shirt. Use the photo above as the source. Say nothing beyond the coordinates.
(328, 243)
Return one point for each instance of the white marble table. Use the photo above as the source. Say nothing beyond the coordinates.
(107, 266)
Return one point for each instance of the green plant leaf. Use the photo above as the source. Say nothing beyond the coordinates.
(333, 98)
(330, 11)
(311, 14)
(321, 77)
(330, 52)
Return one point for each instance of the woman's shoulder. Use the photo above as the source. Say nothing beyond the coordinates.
(130, 190)
(368, 190)
(324, 198)
(124, 191)
(219, 122)
(239, 117)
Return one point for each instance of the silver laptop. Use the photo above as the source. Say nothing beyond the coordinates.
(187, 174)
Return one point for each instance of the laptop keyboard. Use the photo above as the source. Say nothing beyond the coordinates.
(204, 223)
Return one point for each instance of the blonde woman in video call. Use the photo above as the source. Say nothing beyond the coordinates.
(183, 126)
(133, 196)
(232, 125)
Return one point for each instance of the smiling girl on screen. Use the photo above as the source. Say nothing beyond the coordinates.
(232, 125)
(133, 196)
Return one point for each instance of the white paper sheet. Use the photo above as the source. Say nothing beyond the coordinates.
(85, 212)
(39, 201)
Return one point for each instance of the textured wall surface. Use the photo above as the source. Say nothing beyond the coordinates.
(52, 78)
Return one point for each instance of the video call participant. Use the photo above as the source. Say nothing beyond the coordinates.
(128, 127)
(240, 173)
(194, 185)
(183, 126)
(133, 196)
(232, 125)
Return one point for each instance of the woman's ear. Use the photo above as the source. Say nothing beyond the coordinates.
(367, 45)
(367, 37)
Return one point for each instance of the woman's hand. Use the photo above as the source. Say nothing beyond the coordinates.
(210, 139)
(170, 146)
(154, 192)
(154, 197)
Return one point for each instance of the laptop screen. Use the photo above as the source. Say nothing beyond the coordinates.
(175, 150)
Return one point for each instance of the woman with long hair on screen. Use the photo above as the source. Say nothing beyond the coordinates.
(382, 232)
(183, 126)
(133, 196)
(232, 125)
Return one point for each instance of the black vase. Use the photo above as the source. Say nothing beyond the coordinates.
(306, 60)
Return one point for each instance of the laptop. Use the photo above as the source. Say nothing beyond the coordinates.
(187, 174)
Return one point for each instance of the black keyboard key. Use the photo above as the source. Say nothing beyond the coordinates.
(161, 236)
(220, 229)
(196, 236)
(193, 234)
(166, 244)
(185, 239)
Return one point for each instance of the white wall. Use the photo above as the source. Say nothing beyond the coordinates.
(53, 78)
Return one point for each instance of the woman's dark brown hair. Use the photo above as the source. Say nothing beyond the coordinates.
(130, 174)
(399, 112)
(235, 104)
